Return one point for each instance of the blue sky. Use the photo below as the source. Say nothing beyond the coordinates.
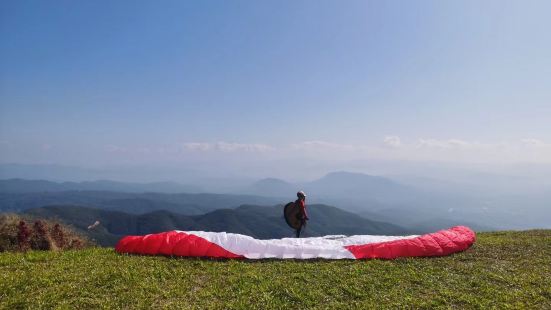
(113, 82)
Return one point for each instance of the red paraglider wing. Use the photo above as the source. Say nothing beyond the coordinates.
(223, 245)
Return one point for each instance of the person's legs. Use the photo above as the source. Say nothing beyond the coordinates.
(302, 225)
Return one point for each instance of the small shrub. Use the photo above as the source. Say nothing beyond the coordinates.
(39, 238)
(8, 232)
(17, 235)
(23, 235)
(75, 244)
(58, 236)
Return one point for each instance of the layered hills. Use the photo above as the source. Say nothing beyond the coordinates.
(257, 221)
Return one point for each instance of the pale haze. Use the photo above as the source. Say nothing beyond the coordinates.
(291, 89)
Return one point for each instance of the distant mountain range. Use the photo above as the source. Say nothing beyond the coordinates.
(339, 185)
(374, 197)
(425, 205)
(135, 203)
(336, 185)
(31, 186)
(356, 192)
(350, 191)
(257, 221)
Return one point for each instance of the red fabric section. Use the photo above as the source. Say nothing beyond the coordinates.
(152, 243)
(444, 242)
(127, 244)
(302, 206)
(170, 239)
(181, 248)
(172, 243)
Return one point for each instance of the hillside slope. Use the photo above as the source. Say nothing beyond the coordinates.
(257, 221)
(502, 270)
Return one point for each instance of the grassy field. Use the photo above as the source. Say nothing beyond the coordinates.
(502, 270)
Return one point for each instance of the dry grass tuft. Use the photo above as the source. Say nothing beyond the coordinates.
(18, 233)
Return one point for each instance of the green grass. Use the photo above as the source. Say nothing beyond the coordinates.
(502, 270)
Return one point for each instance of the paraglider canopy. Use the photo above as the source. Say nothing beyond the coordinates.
(227, 245)
(291, 212)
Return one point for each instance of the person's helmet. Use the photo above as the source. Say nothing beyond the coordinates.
(301, 194)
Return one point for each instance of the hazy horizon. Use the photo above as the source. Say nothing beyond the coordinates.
(122, 83)
(290, 171)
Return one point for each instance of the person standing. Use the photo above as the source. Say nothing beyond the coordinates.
(302, 215)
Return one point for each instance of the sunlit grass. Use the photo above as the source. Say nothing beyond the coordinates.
(503, 269)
